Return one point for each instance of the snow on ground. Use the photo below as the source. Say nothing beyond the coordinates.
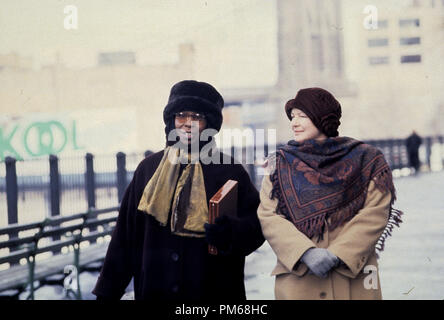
(411, 266)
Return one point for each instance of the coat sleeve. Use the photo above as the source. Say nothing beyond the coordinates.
(117, 268)
(287, 242)
(247, 233)
(356, 241)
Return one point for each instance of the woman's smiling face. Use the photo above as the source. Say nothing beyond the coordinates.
(303, 128)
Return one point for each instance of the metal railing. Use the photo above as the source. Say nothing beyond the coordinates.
(51, 236)
(66, 186)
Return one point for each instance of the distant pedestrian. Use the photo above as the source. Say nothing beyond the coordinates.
(326, 206)
(412, 143)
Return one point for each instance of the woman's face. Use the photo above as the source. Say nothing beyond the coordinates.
(303, 128)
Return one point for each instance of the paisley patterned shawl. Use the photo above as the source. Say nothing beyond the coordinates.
(317, 180)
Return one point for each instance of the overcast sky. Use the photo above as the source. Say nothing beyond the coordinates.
(232, 38)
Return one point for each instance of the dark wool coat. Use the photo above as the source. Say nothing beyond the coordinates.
(171, 267)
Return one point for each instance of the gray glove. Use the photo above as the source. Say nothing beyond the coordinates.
(319, 261)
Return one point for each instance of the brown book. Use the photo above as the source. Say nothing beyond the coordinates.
(224, 202)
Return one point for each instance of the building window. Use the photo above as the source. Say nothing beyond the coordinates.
(116, 58)
(409, 23)
(410, 41)
(411, 59)
(378, 60)
(383, 24)
(382, 42)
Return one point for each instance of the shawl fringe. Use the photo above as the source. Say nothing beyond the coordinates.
(277, 194)
(384, 181)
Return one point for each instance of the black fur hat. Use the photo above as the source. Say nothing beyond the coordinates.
(191, 95)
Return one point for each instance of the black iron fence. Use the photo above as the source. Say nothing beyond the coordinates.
(395, 151)
(40, 188)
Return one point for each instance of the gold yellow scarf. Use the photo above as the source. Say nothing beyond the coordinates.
(184, 195)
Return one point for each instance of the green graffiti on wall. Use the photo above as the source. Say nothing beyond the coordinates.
(38, 139)
(45, 132)
(6, 146)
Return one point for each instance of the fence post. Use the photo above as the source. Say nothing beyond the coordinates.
(12, 197)
(390, 143)
(403, 154)
(90, 186)
(11, 190)
(428, 149)
(121, 175)
(266, 154)
(397, 153)
(54, 190)
(54, 185)
(441, 146)
(90, 181)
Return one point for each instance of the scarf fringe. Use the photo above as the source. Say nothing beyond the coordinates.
(277, 194)
(312, 227)
(394, 220)
(384, 181)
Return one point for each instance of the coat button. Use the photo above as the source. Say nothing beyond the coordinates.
(175, 289)
(175, 256)
(322, 295)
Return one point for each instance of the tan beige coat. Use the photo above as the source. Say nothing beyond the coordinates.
(354, 243)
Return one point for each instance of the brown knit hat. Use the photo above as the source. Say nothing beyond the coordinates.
(320, 106)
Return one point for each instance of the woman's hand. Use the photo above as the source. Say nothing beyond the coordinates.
(320, 261)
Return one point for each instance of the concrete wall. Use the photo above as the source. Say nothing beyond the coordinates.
(133, 87)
